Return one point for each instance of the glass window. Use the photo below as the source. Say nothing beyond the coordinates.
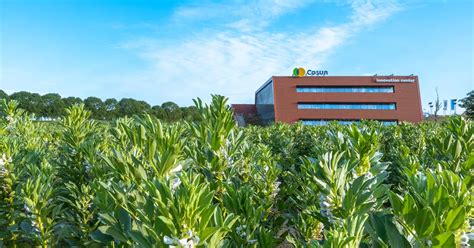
(264, 103)
(347, 89)
(363, 106)
(318, 122)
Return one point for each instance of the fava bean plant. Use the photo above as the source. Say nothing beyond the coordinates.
(141, 182)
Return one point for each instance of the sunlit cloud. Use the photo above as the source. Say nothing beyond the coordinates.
(234, 62)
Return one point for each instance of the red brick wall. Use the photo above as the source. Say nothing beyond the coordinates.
(244, 109)
(406, 96)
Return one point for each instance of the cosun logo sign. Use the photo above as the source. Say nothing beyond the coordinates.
(300, 72)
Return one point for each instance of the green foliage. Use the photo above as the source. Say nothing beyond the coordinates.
(142, 182)
(468, 104)
(435, 207)
(51, 106)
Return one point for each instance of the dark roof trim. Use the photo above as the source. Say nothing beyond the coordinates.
(264, 85)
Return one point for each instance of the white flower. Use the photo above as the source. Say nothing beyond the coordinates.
(183, 242)
(241, 231)
(369, 175)
(324, 204)
(4, 160)
(465, 240)
(226, 156)
(190, 244)
(27, 209)
(429, 243)
(276, 187)
(88, 166)
(177, 169)
(167, 240)
(421, 175)
(277, 184)
(195, 239)
(175, 183)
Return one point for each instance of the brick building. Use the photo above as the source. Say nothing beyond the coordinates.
(315, 100)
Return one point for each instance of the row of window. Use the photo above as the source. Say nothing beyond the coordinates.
(369, 106)
(343, 122)
(353, 89)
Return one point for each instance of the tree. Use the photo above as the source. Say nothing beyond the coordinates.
(144, 107)
(171, 106)
(158, 112)
(3, 95)
(69, 101)
(96, 106)
(30, 102)
(468, 104)
(437, 104)
(190, 113)
(172, 111)
(111, 106)
(130, 106)
(23, 98)
(53, 105)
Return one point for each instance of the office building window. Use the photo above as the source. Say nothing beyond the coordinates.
(264, 103)
(342, 122)
(354, 106)
(345, 89)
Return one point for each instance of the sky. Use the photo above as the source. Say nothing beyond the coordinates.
(161, 51)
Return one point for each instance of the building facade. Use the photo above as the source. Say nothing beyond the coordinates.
(316, 100)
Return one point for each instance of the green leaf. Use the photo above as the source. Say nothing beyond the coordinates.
(25, 226)
(410, 210)
(455, 218)
(346, 241)
(125, 220)
(382, 229)
(140, 239)
(230, 220)
(424, 222)
(396, 202)
(112, 231)
(444, 240)
(218, 217)
(100, 237)
(207, 232)
(442, 201)
(206, 216)
(169, 224)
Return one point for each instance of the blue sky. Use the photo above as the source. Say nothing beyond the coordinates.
(178, 50)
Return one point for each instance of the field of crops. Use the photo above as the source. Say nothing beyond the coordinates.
(138, 182)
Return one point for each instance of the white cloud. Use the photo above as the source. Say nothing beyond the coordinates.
(235, 62)
(250, 16)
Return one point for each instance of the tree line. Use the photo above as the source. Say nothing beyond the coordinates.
(52, 105)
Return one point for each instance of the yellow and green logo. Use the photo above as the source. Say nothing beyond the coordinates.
(299, 72)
